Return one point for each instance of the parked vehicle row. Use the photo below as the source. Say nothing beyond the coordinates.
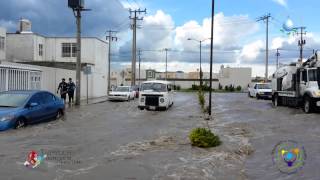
(153, 95)
(122, 93)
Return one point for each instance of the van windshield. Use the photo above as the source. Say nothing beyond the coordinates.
(154, 87)
(263, 86)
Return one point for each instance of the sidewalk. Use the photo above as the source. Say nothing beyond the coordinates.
(83, 102)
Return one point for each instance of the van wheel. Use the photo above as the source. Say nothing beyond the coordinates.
(257, 96)
(307, 105)
(20, 123)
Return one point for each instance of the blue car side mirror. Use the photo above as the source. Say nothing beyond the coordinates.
(33, 105)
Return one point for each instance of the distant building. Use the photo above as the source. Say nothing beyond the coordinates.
(239, 76)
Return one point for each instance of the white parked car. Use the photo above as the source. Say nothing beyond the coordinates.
(155, 95)
(260, 90)
(122, 93)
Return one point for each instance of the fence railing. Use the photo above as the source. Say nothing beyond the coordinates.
(18, 78)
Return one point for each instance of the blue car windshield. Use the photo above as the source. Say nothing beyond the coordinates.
(12, 100)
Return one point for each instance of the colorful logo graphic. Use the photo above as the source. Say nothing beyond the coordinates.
(34, 159)
(288, 156)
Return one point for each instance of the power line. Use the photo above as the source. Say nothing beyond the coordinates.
(134, 19)
(266, 18)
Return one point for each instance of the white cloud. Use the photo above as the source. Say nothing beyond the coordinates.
(281, 2)
(228, 31)
(251, 51)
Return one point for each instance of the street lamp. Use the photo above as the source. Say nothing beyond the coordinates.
(199, 41)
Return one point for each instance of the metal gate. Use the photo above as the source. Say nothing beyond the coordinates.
(19, 78)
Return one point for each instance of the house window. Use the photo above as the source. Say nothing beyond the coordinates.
(69, 49)
(2, 45)
(40, 49)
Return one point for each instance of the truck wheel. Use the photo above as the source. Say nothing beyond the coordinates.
(275, 101)
(307, 105)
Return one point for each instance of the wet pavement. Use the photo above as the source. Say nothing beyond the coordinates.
(115, 140)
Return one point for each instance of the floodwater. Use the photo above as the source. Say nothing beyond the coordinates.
(115, 140)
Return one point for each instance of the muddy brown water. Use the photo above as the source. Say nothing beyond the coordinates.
(115, 140)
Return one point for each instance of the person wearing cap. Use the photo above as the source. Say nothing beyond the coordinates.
(71, 88)
(63, 87)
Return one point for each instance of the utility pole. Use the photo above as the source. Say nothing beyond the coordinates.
(134, 19)
(166, 50)
(139, 54)
(211, 58)
(200, 64)
(278, 54)
(110, 38)
(302, 41)
(77, 7)
(266, 19)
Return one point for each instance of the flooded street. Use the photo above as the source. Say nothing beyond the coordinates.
(115, 140)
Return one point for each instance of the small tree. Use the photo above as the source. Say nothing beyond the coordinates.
(201, 99)
(239, 88)
(226, 88)
(220, 86)
(231, 88)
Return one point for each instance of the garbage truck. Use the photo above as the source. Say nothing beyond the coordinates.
(297, 85)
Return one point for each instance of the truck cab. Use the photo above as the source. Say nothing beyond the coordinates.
(309, 81)
(155, 95)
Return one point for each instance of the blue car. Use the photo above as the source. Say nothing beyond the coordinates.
(20, 108)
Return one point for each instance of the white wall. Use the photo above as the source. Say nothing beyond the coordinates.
(51, 77)
(3, 52)
(20, 46)
(236, 76)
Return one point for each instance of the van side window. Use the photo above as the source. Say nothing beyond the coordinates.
(304, 76)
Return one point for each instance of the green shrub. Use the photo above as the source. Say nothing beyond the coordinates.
(226, 88)
(202, 137)
(231, 88)
(201, 99)
(239, 88)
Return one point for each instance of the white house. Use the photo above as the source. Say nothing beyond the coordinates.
(2, 43)
(59, 54)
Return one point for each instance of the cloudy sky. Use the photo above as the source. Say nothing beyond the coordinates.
(239, 39)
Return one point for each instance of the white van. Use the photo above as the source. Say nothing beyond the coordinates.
(155, 95)
(260, 90)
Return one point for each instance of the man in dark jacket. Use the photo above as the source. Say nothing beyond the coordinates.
(63, 87)
(71, 88)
